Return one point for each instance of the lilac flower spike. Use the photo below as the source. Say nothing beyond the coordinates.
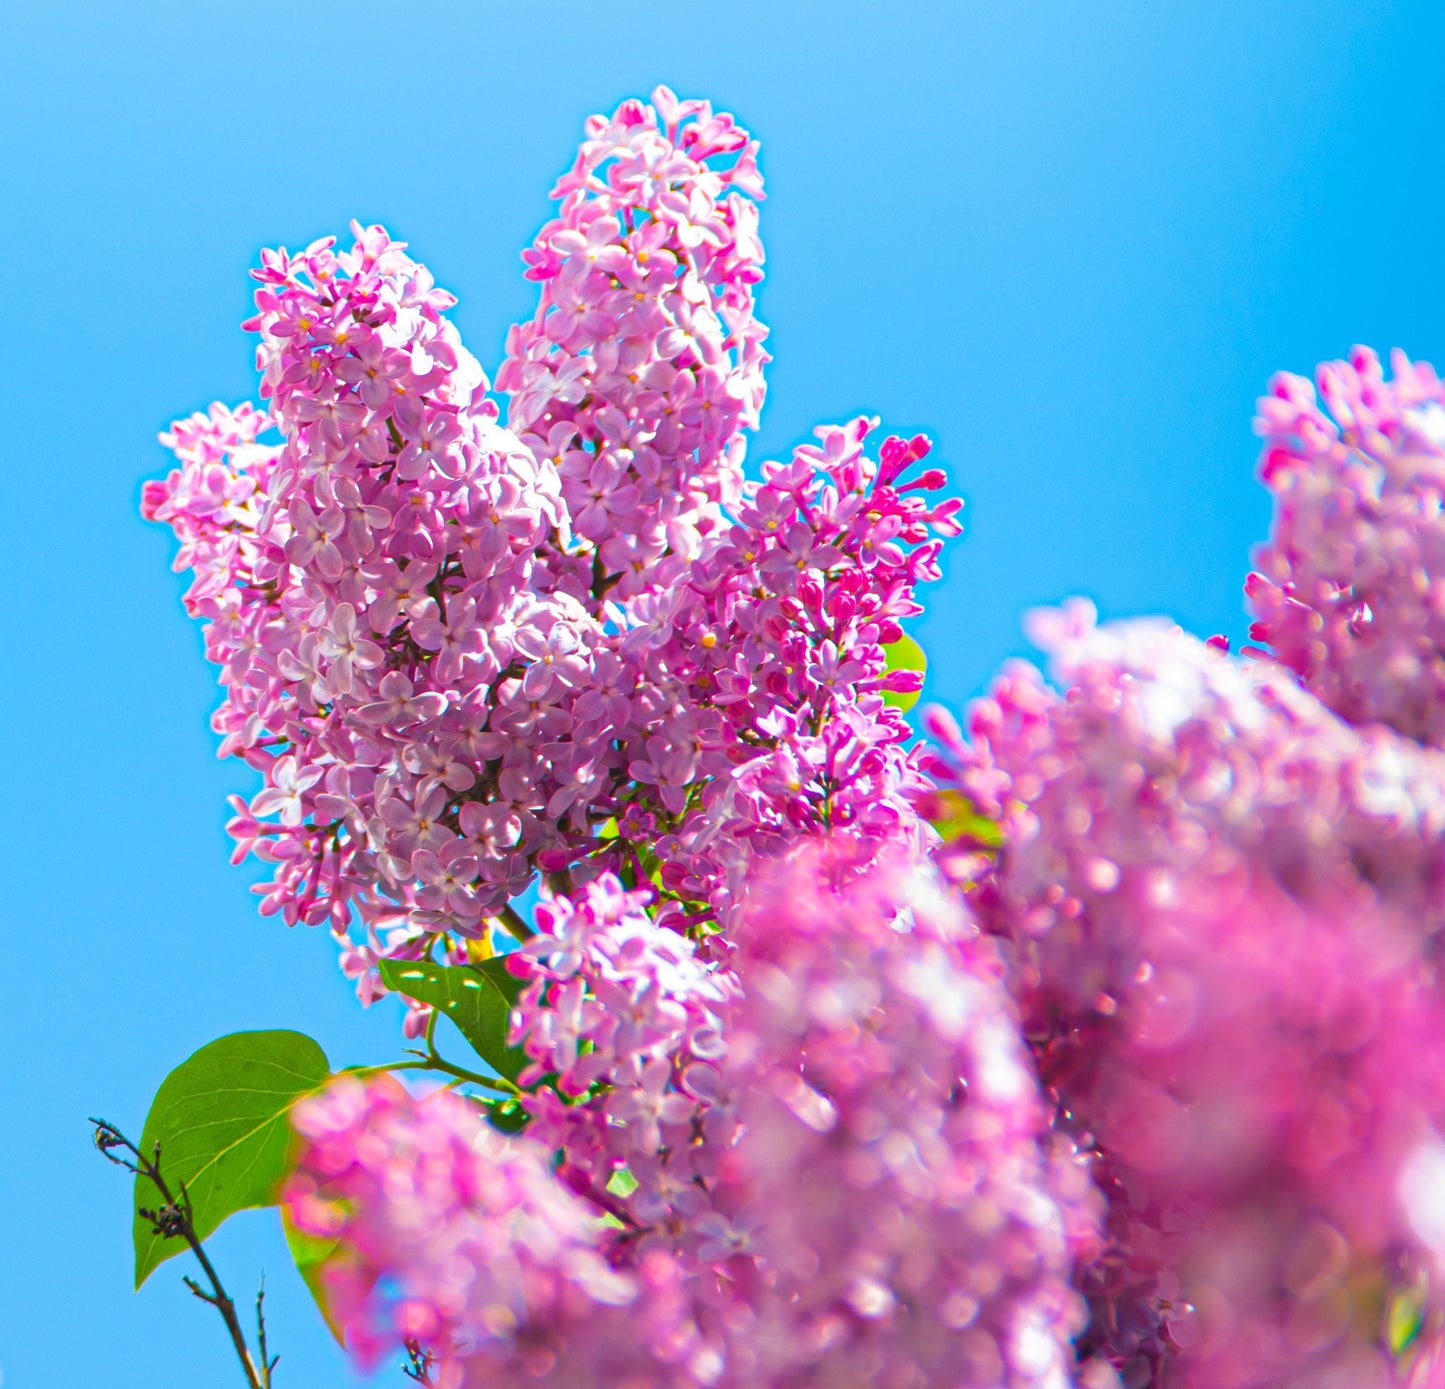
(644, 360)
(1351, 589)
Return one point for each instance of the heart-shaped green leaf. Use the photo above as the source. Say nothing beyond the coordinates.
(477, 998)
(221, 1119)
(904, 654)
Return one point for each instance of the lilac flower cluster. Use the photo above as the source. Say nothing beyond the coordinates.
(1168, 760)
(451, 1237)
(644, 361)
(1219, 902)
(629, 1017)
(389, 665)
(443, 679)
(769, 671)
(1351, 588)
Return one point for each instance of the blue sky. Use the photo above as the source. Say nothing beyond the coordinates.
(1068, 240)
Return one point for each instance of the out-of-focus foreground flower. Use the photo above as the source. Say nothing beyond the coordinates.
(1221, 907)
(840, 1163)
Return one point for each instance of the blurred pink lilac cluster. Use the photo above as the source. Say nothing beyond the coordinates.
(1097, 1044)
(457, 1237)
(1220, 890)
(892, 1167)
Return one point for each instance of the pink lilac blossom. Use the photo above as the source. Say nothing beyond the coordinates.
(767, 671)
(1350, 592)
(455, 1237)
(1219, 902)
(628, 1015)
(644, 361)
(443, 691)
(390, 665)
(890, 1179)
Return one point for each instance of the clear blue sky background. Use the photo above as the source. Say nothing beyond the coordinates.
(1069, 240)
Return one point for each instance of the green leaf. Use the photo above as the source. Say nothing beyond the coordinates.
(1403, 1321)
(904, 654)
(506, 1115)
(222, 1120)
(478, 998)
(311, 1253)
(954, 817)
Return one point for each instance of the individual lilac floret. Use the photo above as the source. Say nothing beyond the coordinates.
(1220, 904)
(1350, 591)
(644, 360)
(889, 1179)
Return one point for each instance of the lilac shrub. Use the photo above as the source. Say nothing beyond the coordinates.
(1095, 1043)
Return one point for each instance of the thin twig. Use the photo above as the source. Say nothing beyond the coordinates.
(498, 1083)
(267, 1365)
(419, 1363)
(436, 1063)
(174, 1217)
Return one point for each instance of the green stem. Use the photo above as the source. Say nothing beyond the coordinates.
(511, 918)
(498, 1083)
(433, 1062)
